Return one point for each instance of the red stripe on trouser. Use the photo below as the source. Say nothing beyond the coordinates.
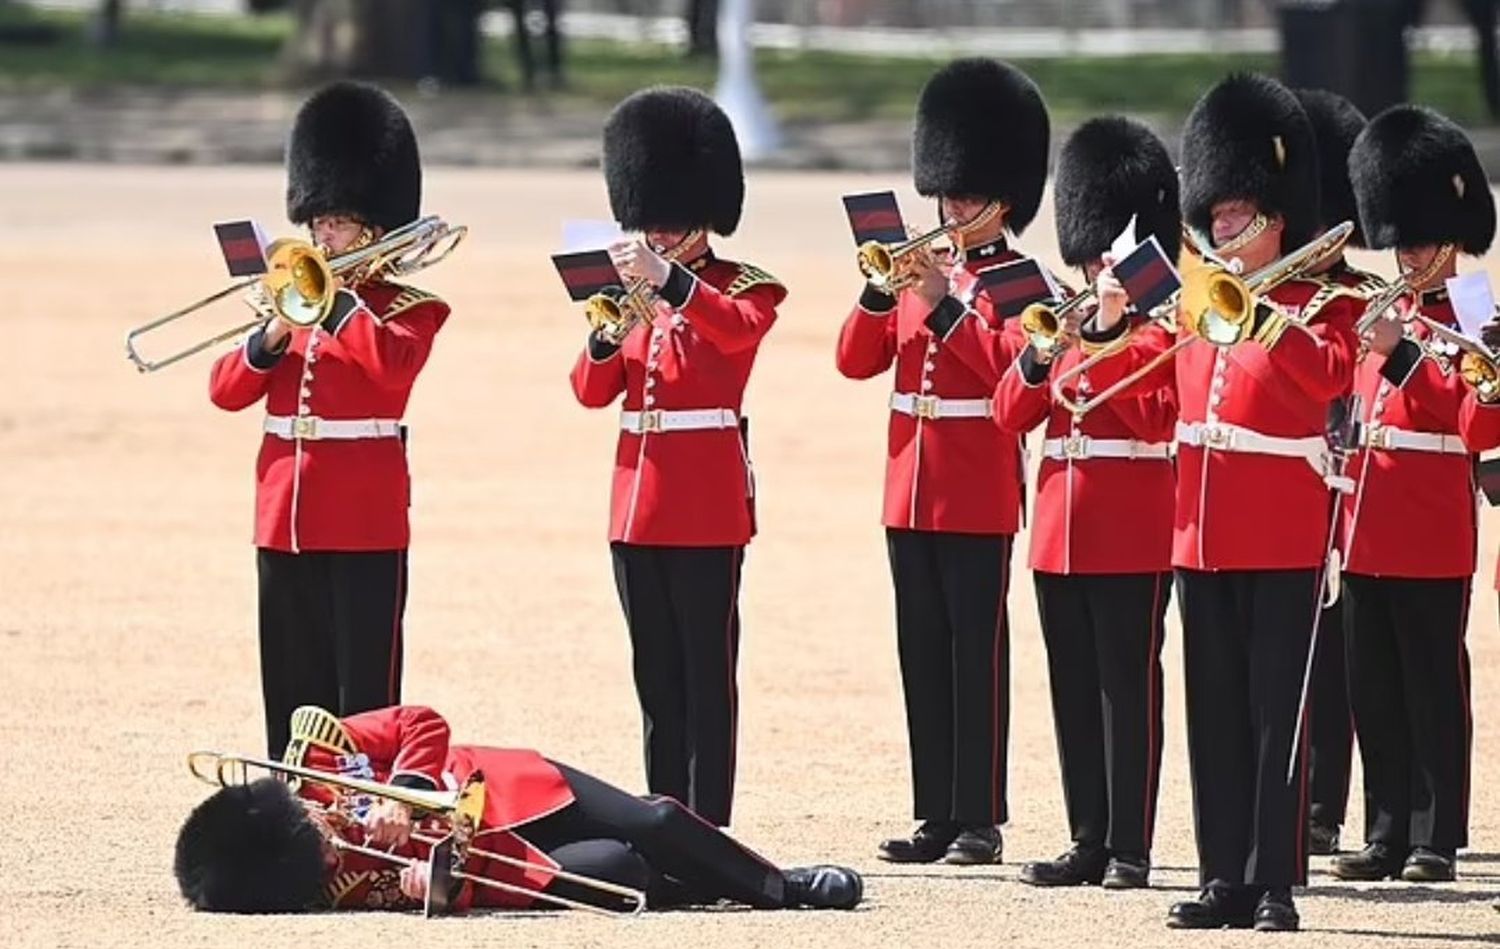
(394, 673)
(1463, 684)
(732, 660)
(1002, 632)
(1152, 719)
(1303, 738)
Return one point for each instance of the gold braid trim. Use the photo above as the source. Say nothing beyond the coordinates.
(408, 298)
(748, 277)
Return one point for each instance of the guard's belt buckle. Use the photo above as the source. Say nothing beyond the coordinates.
(651, 421)
(305, 427)
(1076, 447)
(1378, 436)
(926, 406)
(1216, 436)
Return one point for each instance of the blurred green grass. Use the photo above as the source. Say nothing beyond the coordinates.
(225, 52)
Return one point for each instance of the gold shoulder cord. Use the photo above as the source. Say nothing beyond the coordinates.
(749, 276)
(317, 727)
(405, 300)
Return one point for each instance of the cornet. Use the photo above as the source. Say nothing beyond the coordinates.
(614, 311)
(1216, 305)
(891, 267)
(456, 816)
(300, 280)
(1478, 365)
(1043, 323)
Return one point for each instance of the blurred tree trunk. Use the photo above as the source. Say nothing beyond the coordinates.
(104, 29)
(386, 39)
(703, 28)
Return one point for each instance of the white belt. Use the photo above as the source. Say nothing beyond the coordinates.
(311, 428)
(1080, 447)
(1219, 436)
(1386, 438)
(676, 420)
(932, 407)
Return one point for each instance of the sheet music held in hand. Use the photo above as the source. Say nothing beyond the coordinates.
(244, 247)
(875, 216)
(587, 272)
(587, 233)
(1147, 275)
(1013, 287)
(1473, 301)
(1124, 242)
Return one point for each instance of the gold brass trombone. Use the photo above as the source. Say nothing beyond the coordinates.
(1216, 305)
(457, 813)
(1478, 365)
(888, 267)
(300, 280)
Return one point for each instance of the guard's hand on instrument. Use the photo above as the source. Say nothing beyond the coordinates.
(637, 261)
(1384, 335)
(389, 824)
(1489, 334)
(929, 282)
(1113, 300)
(414, 881)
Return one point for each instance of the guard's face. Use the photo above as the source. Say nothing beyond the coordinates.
(336, 233)
(959, 209)
(1230, 220)
(662, 241)
(1417, 259)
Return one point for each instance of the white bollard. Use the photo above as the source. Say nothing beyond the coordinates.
(737, 92)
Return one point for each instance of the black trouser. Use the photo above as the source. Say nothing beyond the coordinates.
(1409, 685)
(1330, 726)
(655, 845)
(682, 607)
(1104, 636)
(1245, 639)
(953, 637)
(330, 633)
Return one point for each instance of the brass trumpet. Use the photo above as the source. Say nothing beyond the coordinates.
(1216, 305)
(299, 283)
(889, 267)
(1043, 322)
(1478, 365)
(457, 816)
(614, 311)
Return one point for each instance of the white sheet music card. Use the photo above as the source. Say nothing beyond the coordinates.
(589, 234)
(1126, 242)
(1473, 301)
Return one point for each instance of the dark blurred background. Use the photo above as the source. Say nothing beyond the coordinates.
(527, 81)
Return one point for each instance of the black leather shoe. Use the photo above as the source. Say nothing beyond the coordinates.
(824, 887)
(926, 845)
(1078, 866)
(1216, 907)
(1322, 840)
(1426, 865)
(976, 845)
(1376, 862)
(1127, 873)
(1276, 914)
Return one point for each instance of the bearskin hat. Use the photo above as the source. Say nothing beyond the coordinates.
(1248, 139)
(1418, 182)
(982, 129)
(1110, 170)
(352, 151)
(671, 161)
(250, 849)
(1336, 123)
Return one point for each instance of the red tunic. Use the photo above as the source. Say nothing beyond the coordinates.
(1238, 510)
(962, 475)
(331, 494)
(1401, 496)
(408, 742)
(686, 488)
(1094, 515)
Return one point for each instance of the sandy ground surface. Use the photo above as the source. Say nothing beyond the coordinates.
(127, 615)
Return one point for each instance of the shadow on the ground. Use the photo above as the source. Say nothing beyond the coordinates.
(1398, 894)
(1491, 939)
